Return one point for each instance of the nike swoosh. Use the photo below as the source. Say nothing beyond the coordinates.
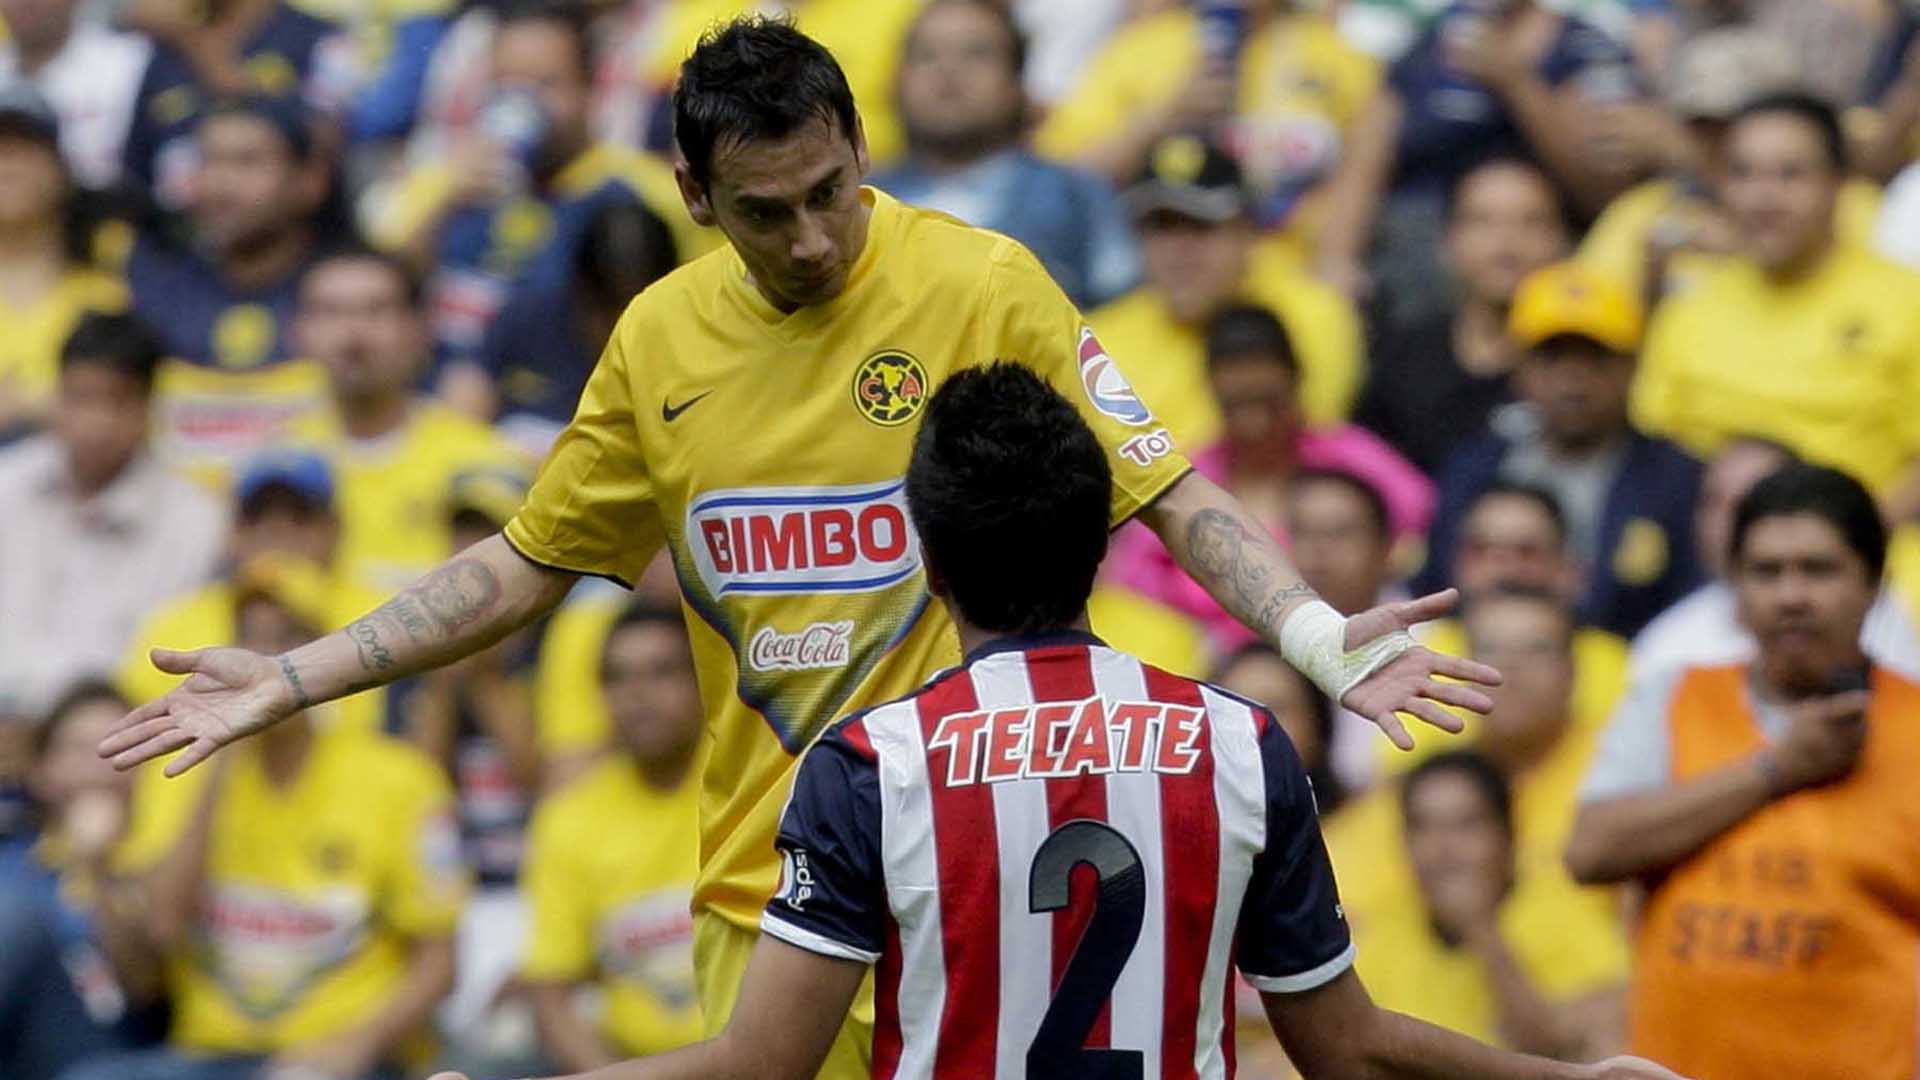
(670, 412)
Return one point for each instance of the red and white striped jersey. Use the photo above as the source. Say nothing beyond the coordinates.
(1057, 856)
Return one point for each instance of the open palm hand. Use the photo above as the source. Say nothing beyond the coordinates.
(1413, 682)
(228, 694)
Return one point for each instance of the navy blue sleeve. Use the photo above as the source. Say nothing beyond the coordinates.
(832, 898)
(389, 103)
(1293, 934)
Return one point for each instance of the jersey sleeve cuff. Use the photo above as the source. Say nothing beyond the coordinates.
(1311, 979)
(527, 550)
(802, 938)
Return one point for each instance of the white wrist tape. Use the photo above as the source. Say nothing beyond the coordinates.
(1312, 638)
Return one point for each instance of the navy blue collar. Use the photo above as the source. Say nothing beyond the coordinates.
(1027, 642)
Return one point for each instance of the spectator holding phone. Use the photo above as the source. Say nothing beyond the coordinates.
(1770, 809)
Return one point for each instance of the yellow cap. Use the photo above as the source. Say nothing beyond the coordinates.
(1568, 298)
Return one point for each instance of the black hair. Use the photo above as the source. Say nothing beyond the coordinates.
(643, 612)
(1376, 503)
(1529, 594)
(756, 77)
(1457, 186)
(1017, 44)
(1800, 105)
(1009, 490)
(1328, 792)
(1532, 493)
(1826, 493)
(626, 247)
(1242, 330)
(573, 18)
(357, 250)
(288, 118)
(91, 690)
(1479, 770)
(120, 342)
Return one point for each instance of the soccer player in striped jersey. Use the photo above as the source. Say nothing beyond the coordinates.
(1054, 854)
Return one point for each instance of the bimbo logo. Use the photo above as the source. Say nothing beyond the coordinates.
(845, 538)
(1108, 389)
(820, 645)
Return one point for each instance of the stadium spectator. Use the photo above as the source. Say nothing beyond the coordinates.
(100, 532)
(612, 858)
(395, 454)
(530, 373)
(1668, 233)
(509, 202)
(1201, 256)
(1283, 97)
(1485, 951)
(965, 112)
(46, 282)
(306, 909)
(1257, 673)
(1489, 78)
(78, 976)
(1627, 499)
(223, 301)
(86, 70)
(1703, 629)
(1807, 339)
(1255, 377)
(1437, 382)
(1765, 807)
(216, 51)
(1514, 536)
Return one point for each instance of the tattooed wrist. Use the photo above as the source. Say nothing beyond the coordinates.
(292, 674)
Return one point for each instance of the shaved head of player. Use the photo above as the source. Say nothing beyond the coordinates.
(940, 839)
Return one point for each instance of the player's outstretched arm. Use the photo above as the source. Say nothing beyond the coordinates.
(1337, 1030)
(1368, 663)
(792, 1003)
(460, 607)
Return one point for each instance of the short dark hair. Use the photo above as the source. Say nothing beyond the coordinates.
(1533, 493)
(1479, 770)
(1826, 493)
(288, 117)
(1457, 186)
(1243, 330)
(1002, 12)
(571, 17)
(756, 77)
(626, 247)
(91, 690)
(1800, 105)
(120, 342)
(1376, 503)
(356, 250)
(1009, 490)
(642, 612)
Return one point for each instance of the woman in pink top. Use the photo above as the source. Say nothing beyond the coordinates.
(1255, 376)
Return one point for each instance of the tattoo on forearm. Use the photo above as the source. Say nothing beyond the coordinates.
(431, 612)
(292, 674)
(1237, 566)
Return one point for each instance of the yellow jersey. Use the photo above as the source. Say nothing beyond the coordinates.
(392, 491)
(1171, 357)
(37, 331)
(208, 421)
(609, 877)
(768, 452)
(1616, 245)
(570, 712)
(314, 893)
(1828, 365)
(867, 37)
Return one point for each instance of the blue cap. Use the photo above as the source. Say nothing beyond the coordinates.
(302, 472)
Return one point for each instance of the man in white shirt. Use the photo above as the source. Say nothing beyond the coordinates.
(88, 71)
(1703, 628)
(97, 533)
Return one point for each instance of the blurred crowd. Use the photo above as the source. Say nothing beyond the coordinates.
(1531, 298)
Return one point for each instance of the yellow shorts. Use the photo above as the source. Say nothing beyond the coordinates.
(720, 954)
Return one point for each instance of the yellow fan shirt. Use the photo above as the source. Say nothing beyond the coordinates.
(609, 877)
(315, 892)
(768, 452)
(36, 332)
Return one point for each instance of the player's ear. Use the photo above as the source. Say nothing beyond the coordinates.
(699, 203)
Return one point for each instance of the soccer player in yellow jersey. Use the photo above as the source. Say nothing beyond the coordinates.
(753, 414)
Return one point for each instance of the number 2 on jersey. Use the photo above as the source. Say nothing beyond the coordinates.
(1119, 907)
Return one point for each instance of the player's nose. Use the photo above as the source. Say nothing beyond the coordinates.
(811, 244)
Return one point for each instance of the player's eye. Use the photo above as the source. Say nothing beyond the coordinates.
(823, 196)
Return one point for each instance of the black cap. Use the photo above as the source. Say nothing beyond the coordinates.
(1192, 177)
(24, 112)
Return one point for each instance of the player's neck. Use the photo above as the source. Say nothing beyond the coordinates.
(973, 637)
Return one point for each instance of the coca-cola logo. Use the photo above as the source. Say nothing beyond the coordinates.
(820, 645)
